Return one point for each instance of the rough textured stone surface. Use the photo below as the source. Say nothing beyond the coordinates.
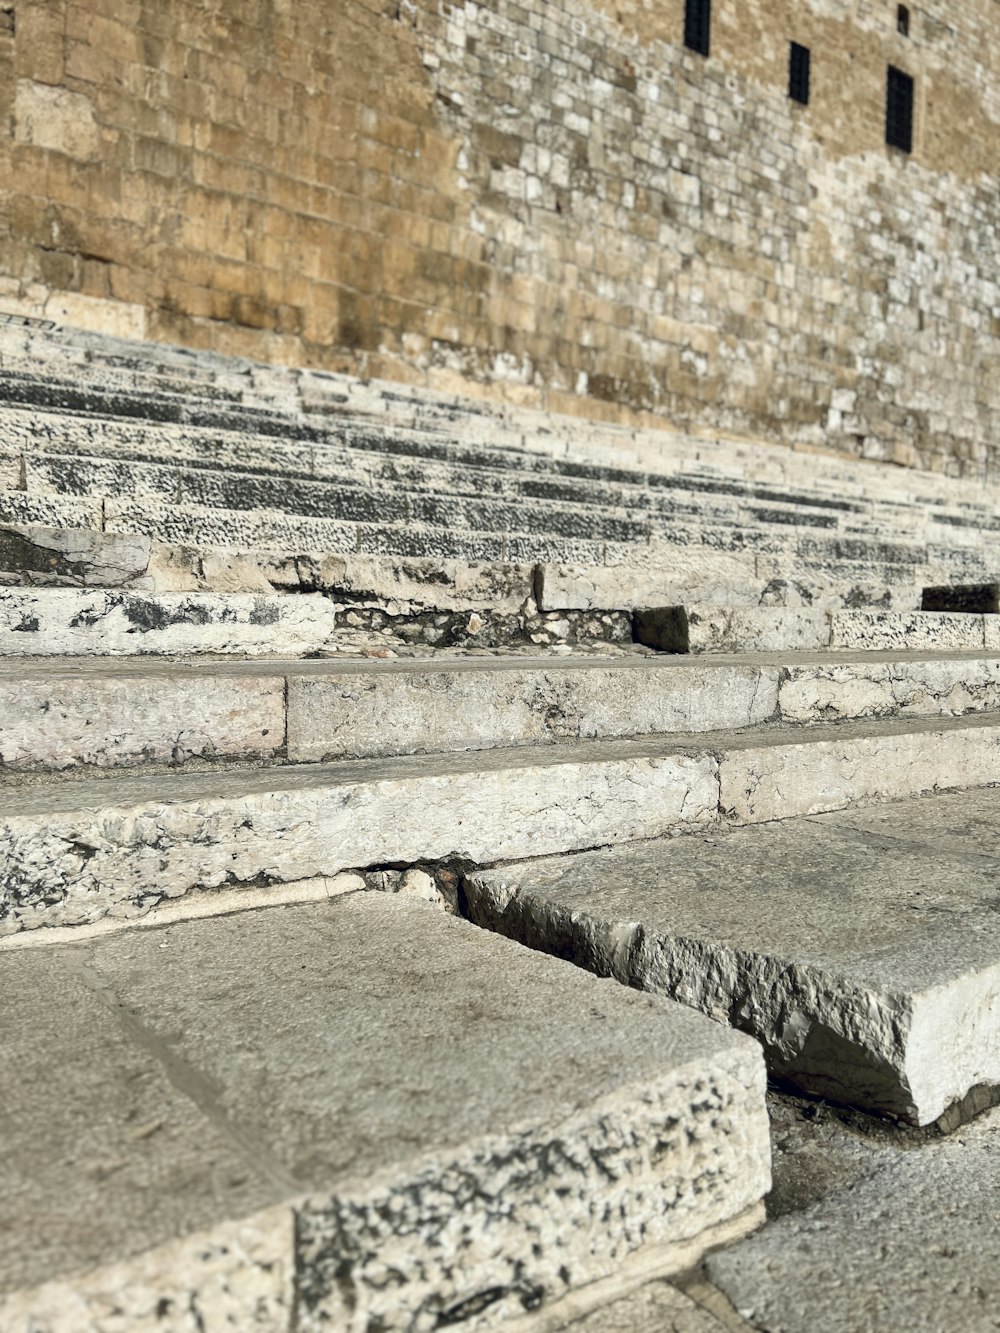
(711, 629)
(57, 621)
(72, 556)
(77, 851)
(476, 706)
(902, 687)
(915, 1246)
(299, 1059)
(828, 768)
(889, 630)
(62, 719)
(866, 966)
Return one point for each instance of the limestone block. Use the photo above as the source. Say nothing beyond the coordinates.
(471, 706)
(54, 118)
(59, 621)
(887, 631)
(867, 967)
(73, 556)
(977, 598)
(829, 768)
(447, 585)
(708, 577)
(902, 688)
(73, 853)
(702, 628)
(60, 720)
(586, 1126)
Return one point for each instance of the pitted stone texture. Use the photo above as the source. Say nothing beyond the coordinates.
(72, 556)
(899, 688)
(60, 621)
(318, 1046)
(595, 587)
(827, 768)
(867, 967)
(238, 1276)
(76, 851)
(59, 721)
(914, 1246)
(443, 585)
(884, 631)
(481, 707)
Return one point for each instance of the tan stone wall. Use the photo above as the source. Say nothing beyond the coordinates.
(550, 200)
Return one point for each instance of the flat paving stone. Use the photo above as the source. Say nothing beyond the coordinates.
(868, 967)
(915, 1246)
(366, 1112)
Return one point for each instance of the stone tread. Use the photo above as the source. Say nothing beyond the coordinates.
(867, 965)
(346, 1072)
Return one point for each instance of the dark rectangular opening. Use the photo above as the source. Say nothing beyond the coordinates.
(899, 110)
(972, 598)
(697, 25)
(798, 73)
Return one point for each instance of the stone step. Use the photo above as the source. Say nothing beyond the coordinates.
(706, 628)
(136, 369)
(76, 622)
(74, 557)
(65, 713)
(78, 849)
(354, 1114)
(914, 1246)
(863, 955)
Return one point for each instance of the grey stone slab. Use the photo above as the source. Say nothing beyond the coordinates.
(717, 629)
(73, 556)
(60, 721)
(77, 622)
(902, 687)
(869, 970)
(916, 1246)
(420, 712)
(450, 1122)
(77, 851)
(802, 771)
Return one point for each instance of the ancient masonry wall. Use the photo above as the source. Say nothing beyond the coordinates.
(549, 200)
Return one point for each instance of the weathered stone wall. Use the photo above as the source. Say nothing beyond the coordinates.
(549, 200)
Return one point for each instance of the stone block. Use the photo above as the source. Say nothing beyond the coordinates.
(426, 707)
(970, 598)
(866, 964)
(68, 622)
(79, 851)
(72, 556)
(454, 1125)
(55, 118)
(76, 716)
(890, 631)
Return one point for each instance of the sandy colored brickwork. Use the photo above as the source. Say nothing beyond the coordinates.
(553, 202)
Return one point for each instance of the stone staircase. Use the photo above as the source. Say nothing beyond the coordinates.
(288, 787)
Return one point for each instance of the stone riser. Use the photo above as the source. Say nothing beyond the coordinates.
(76, 851)
(91, 713)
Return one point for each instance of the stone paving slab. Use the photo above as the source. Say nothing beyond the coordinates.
(367, 1112)
(869, 968)
(75, 849)
(915, 1246)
